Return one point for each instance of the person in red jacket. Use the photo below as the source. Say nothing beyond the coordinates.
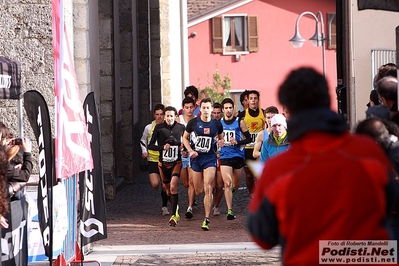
(330, 184)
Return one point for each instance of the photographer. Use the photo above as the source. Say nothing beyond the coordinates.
(18, 173)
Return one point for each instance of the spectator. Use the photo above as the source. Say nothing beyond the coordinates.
(375, 128)
(330, 184)
(387, 88)
(3, 194)
(269, 113)
(375, 108)
(276, 142)
(17, 173)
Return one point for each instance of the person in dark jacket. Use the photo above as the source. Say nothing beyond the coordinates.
(329, 185)
(18, 173)
(166, 139)
(4, 208)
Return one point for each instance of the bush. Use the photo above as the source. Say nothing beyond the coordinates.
(218, 90)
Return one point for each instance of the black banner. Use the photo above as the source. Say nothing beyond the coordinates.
(14, 249)
(10, 78)
(389, 5)
(93, 224)
(39, 119)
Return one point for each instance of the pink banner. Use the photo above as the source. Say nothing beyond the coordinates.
(73, 152)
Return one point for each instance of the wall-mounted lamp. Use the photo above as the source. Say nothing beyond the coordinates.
(238, 57)
(317, 39)
(193, 34)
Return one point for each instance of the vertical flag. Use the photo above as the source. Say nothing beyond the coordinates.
(39, 119)
(73, 153)
(93, 224)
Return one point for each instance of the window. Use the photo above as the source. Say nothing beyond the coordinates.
(235, 34)
(332, 31)
(235, 96)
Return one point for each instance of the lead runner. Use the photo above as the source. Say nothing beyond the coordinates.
(202, 150)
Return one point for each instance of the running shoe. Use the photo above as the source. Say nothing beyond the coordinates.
(174, 220)
(230, 215)
(205, 225)
(189, 213)
(216, 211)
(165, 211)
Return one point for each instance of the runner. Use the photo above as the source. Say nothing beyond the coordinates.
(153, 156)
(188, 105)
(218, 190)
(232, 154)
(192, 92)
(202, 150)
(255, 119)
(166, 139)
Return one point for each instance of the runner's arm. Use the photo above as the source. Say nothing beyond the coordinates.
(152, 145)
(186, 141)
(247, 135)
(143, 140)
(258, 145)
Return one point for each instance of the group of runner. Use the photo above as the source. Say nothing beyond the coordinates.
(206, 145)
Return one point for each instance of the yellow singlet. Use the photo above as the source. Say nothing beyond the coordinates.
(255, 125)
(153, 156)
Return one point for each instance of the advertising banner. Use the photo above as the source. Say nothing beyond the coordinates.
(93, 224)
(39, 119)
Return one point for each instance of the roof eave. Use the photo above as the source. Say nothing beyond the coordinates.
(215, 12)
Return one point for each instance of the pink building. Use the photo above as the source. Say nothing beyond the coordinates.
(259, 56)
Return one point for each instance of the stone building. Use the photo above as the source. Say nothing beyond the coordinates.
(122, 51)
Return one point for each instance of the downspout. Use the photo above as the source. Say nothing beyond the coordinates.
(117, 102)
(136, 97)
(149, 55)
(184, 44)
(352, 65)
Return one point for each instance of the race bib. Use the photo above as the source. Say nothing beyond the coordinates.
(203, 144)
(170, 155)
(253, 138)
(227, 135)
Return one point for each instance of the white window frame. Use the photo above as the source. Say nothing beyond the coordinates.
(245, 35)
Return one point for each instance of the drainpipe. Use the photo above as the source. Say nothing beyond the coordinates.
(184, 44)
(149, 55)
(351, 63)
(117, 100)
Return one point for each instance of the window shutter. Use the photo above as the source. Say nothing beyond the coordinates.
(217, 35)
(332, 31)
(253, 45)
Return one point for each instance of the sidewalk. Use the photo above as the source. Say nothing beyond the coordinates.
(246, 253)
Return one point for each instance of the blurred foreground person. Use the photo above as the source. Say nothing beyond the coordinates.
(3, 192)
(330, 184)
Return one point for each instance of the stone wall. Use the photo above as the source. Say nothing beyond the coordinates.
(117, 51)
(26, 36)
(125, 140)
(107, 95)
